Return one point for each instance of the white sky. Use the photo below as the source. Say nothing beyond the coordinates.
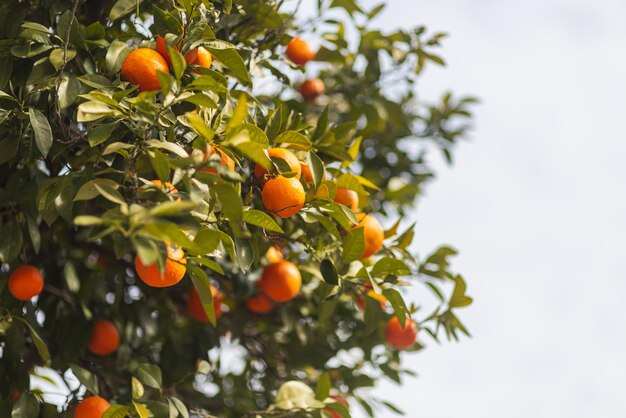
(536, 205)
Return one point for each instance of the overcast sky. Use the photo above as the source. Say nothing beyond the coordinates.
(536, 205)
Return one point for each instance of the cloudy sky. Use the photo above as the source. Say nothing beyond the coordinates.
(535, 203)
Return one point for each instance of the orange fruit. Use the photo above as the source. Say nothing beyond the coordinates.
(105, 338)
(226, 160)
(347, 197)
(140, 67)
(195, 309)
(373, 233)
(259, 304)
(274, 254)
(312, 88)
(400, 338)
(92, 407)
(284, 154)
(283, 196)
(174, 269)
(161, 47)
(280, 281)
(25, 282)
(199, 56)
(299, 52)
(341, 399)
(306, 173)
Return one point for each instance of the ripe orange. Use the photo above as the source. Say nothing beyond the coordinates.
(341, 399)
(140, 67)
(283, 196)
(312, 88)
(284, 154)
(373, 233)
(280, 281)
(195, 309)
(299, 52)
(92, 407)
(274, 254)
(400, 338)
(105, 338)
(226, 160)
(259, 304)
(306, 173)
(161, 47)
(174, 269)
(25, 282)
(347, 197)
(199, 56)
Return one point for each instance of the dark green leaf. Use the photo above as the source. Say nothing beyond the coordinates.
(41, 129)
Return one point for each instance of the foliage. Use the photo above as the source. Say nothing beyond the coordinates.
(78, 152)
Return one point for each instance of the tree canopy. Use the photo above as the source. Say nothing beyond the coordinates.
(193, 196)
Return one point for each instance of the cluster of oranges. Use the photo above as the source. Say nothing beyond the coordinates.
(141, 66)
(299, 52)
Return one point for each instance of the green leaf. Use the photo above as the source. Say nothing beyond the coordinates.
(137, 388)
(116, 411)
(233, 61)
(294, 138)
(40, 345)
(69, 89)
(71, 277)
(397, 302)
(41, 129)
(110, 193)
(159, 164)
(87, 220)
(35, 234)
(142, 410)
(116, 54)
(149, 375)
(26, 406)
(329, 272)
(353, 245)
(261, 219)
(11, 241)
(200, 126)
(56, 57)
(203, 286)
(322, 389)
(231, 202)
(252, 149)
(91, 111)
(459, 299)
(390, 265)
(88, 190)
(372, 316)
(123, 7)
(316, 166)
(86, 378)
(178, 62)
(100, 133)
(245, 254)
(180, 406)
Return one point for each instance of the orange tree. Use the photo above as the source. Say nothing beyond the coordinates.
(192, 204)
